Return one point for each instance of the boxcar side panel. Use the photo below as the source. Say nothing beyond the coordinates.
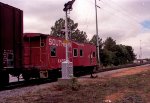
(11, 30)
(18, 33)
(7, 35)
(1, 50)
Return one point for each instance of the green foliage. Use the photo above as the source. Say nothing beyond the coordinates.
(56, 29)
(106, 57)
(75, 85)
(94, 41)
(131, 55)
(74, 33)
(114, 54)
(78, 36)
(121, 55)
(70, 84)
(109, 44)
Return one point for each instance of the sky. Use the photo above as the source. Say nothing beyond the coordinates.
(126, 21)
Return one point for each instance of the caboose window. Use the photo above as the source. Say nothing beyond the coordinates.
(10, 60)
(81, 52)
(93, 54)
(53, 51)
(42, 44)
(10, 56)
(75, 52)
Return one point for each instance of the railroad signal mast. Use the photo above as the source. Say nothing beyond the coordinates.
(67, 66)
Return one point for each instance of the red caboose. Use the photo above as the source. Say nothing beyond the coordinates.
(43, 55)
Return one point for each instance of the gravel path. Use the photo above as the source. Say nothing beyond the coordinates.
(18, 92)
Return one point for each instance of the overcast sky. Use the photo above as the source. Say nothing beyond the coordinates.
(126, 21)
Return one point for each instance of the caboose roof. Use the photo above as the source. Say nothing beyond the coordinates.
(34, 35)
(27, 35)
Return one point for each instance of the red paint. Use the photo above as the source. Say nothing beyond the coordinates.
(39, 56)
(11, 31)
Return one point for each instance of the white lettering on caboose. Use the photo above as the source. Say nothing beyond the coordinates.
(56, 42)
(61, 60)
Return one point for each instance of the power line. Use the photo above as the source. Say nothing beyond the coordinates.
(85, 19)
(121, 10)
(126, 17)
(123, 16)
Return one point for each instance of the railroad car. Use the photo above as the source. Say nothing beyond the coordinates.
(33, 54)
(43, 55)
(11, 32)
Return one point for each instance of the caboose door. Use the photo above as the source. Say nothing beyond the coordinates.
(53, 57)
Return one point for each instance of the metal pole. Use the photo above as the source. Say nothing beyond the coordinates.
(66, 36)
(67, 66)
(97, 42)
(140, 56)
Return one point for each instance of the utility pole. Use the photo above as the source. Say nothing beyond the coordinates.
(97, 37)
(140, 55)
(67, 66)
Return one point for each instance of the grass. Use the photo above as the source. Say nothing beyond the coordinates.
(126, 89)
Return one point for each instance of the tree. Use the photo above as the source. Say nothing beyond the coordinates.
(131, 55)
(94, 41)
(79, 36)
(56, 29)
(109, 44)
(74, 33)
(121, 55)
(116, 54)
(107, 57)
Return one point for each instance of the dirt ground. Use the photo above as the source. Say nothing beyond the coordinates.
(127, 71)
(105, 76)
(129, 85)
(131, 71)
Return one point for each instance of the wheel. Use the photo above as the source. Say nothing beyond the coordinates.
(4, 78)
(95, 69)
(26, 76)
(53, 75)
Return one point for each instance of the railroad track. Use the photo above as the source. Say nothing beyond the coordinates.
(20, 84)
(34, 82)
